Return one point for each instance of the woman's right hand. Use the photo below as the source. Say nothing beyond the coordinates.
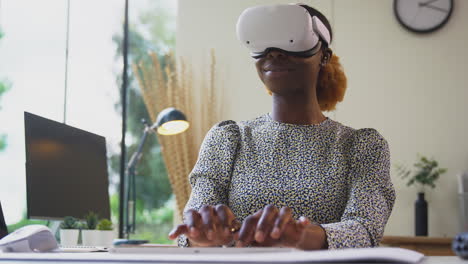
(210, 226)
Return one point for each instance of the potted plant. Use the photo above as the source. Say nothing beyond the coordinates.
(69, 232)
(425, 173)
(89, 234)
(107, 234)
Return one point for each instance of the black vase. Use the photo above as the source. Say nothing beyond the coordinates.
(420, 215)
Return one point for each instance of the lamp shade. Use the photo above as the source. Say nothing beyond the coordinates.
(170, 121)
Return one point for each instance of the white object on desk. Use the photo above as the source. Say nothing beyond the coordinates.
(227, 255)
(29, 238)
(81, 249)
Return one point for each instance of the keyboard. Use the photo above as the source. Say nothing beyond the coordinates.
(72, 249)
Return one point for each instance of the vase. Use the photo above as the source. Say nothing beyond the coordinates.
(106, 237)
(90, 237)
(69, 237)
(420, 215)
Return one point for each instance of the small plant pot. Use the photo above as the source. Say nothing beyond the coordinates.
(69, 237)
(106, 237)
(90, 237)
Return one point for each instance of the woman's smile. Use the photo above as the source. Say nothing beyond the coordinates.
(277, 73)
(276, 70)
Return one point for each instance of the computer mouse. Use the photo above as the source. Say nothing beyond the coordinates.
(31, 238)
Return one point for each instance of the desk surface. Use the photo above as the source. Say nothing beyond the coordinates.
(331, 256)
(427, 260)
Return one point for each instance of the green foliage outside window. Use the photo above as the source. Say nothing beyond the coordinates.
(154, 206)
(25, 222)
(4, 86)
(155, 203)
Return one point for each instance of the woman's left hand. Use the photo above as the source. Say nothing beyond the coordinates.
(272, 227)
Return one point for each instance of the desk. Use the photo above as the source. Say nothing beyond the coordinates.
(429, 246)
(427, 260)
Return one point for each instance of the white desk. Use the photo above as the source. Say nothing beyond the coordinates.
(427, 260)
(104, 257)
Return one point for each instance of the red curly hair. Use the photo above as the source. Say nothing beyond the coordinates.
(331, 84)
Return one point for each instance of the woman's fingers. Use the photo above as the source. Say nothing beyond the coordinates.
(209, 226)
(247, 231)
(227, 220)
(266, 222)
(284, 217)
(210, 221)
(179, 230)
(217, 225)
(304, 221)
(194, 223)
(293, 232)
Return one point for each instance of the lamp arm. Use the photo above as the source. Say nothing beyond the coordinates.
(132, 163)
(130, 191)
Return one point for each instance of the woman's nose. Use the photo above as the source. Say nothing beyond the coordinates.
(276, 54)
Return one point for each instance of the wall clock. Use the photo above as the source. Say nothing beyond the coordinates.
(423, 16)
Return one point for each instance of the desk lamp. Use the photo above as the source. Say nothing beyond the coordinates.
(170, 121)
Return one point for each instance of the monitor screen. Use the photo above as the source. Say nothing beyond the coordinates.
(66, 170)
(3, 227)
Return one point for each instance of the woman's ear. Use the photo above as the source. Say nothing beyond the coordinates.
(326, 56)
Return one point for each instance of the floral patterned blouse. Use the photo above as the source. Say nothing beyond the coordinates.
(334, 175)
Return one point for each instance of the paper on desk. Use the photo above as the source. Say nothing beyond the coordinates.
(343, 255)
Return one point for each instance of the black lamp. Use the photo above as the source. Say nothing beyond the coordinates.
(170, 121)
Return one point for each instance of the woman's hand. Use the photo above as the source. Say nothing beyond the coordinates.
(273, 227)
(210, 226)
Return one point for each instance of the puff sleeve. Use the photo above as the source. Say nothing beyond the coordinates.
(371, 194)
(211, 175)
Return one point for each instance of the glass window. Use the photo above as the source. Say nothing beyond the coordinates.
(33, 63)
(32, 52)
(152, 28)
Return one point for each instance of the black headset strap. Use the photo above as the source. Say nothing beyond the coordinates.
(304, 54)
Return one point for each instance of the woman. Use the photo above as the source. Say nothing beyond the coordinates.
(291, 178)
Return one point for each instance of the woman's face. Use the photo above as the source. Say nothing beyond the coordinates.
(284, 74)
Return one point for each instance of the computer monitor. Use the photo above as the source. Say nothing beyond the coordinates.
(66, 170)
(3, 227)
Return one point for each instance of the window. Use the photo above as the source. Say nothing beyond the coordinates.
(33, 64)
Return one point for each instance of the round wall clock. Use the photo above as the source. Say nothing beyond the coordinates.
(423, 16)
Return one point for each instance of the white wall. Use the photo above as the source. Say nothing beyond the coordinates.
(411, 88)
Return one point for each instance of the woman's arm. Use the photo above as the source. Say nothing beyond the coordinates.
(371, 195)
(211, 176)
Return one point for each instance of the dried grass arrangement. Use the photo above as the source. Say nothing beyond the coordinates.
(174, 85)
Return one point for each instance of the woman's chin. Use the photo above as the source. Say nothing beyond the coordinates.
(283, 88)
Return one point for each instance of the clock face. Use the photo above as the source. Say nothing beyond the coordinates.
(423, 16)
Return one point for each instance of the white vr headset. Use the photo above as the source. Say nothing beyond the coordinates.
(289, 28)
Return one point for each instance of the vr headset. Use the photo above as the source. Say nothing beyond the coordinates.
(288, 28)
